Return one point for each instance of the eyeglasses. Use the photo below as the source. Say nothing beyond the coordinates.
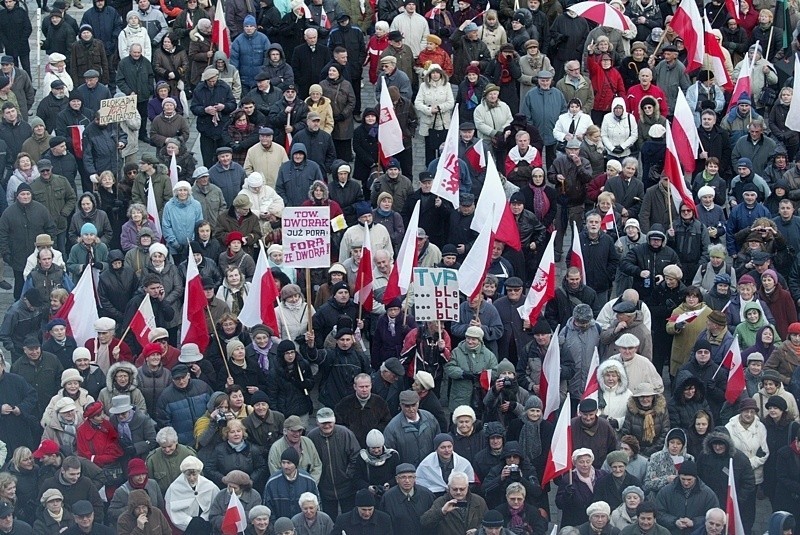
(687, 212)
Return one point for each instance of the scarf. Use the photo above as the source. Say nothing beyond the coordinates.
(70, 433)
(123, 426)
(473, 99)
(541, 204)
(138, 486)
(383, 213)
(517, 522)
(263, 357)
(505, 72)
(649, 424)
(530, 439)
(589, 480)
(56, 516)
(102, 355)
(238, 448)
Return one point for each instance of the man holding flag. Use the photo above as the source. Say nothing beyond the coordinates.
(570, 173)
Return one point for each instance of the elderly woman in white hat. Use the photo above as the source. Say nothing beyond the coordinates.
(53, 518)
(468, 361)
(71, 381)
(62, 428)
(275, 259)
(574, 498)
(57, 70)
(190, 496)
(266, 204)
(171, 279)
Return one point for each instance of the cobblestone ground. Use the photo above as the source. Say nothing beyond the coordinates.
(368, 100)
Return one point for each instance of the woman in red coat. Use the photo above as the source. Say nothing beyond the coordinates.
(98, 441)
(606, 82)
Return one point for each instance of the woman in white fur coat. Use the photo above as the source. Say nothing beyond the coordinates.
(614, 394)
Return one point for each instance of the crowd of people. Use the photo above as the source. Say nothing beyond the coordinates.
(340, 419)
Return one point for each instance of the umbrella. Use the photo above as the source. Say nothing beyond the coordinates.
(603, 14)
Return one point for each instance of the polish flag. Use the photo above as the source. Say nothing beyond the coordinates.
(143, 321)
(220, 36)
(194, 329)
(259, 305)
(687, 317)
(736, 382)
(431, 14)
(559, 460)
(76, 136)
(688, 24)
(403, 271)
(576, 254)
(447, 180)
(324, 20)
(152, 208)
(543, 287)
(390, 135)
(550, 381)
(493, 206)
(684, 133)
(363, 288)
(793, 116)
(743, 86)
(173, 171)
(732, 7)
(476, 156)
(80, 309)
(485, 379)
(735, 526)
(608, 222)
(592, 385)
(672, 168)
(235, 520)
(715, 55)
(472, 272)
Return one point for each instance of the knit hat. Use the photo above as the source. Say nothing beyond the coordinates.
(474, 331)
(233, 345)
(778, 402)
(70, 374)
(249, 20)
(365, 498)
(257, 511)
(157, 248)
(541, 327)
(283, 524)
(463, 410)
(688, 468)
(617, 456)
(492, 519)
(598, 508)
(80, 353)
(746, 279)
(137, 467)
(676, 433)
(582, 313)
(87, 228)
(533, 402)
(259, 397)
(440, 438)
(705, 190)
(505, 366)
(375, 439)
(633, 489)
(291, 455)
(284, 347)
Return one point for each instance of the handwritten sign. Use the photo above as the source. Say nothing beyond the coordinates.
(116, 110)
(307, 236)
(436, 294)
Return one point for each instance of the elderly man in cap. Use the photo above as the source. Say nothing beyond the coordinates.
(52, 104)
(265, 157)
(346, 191)
(56, 194)
(226, 174)
(392, 76)
(388, 382)
(592, 432)
(213, 203)
(570, 173)
(21, 84)
(628, 320)
(607, 314)
(293, 439)
(638, 368)
(263, 95)
(288, 115)
(22, 318)
(9, 524)
(435, 469)
(92, 90)
(339, 365)
(481, 315)
(64, 162)
(319, 143)
(87, 521)
(407, 501)
(212, 104)
(394, 183)
(40, 369)
(182, 403)
(542, 107)
(412, 431)
(469, 50)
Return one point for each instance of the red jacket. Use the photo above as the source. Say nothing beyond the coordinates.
(99, 444)
(636, 94)
(375, 48)
(607, 84)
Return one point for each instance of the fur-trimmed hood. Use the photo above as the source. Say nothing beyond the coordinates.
(617, 366)
(127, 366)
(719, 434)
(683, 379)
(659, 405)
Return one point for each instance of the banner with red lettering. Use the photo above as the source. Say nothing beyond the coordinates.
(306, 236)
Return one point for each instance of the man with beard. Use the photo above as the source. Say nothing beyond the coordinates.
(51, 105)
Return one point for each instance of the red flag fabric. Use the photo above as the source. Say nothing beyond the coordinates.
(576, 252)
(76, 136)
(476, 156)
(362, 293)
(743, 87)
(715, 55)
(220, 36)
(672, 168)
(592, 386)
(736, 381)
(493, 205)
(735, 526)
(684, 133)
(234, 521)
(559, 459)
(688, 24)
(194, 329)
(259, 305)
(543, 286)
(143, 321)
(403, 270)
(472, 272)
(80, 309)
(549, 383)
(732, 7)
(324, 19)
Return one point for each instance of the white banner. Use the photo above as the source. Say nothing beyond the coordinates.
(307, 236)
(116, 110)
(436, 294)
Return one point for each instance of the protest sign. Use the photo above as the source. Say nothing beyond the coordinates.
(436, 294)
(116, 110)
(306, 237)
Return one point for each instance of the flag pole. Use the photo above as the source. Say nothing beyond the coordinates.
(308, 298)
(219, 342)
(360, 301)
(669, 206)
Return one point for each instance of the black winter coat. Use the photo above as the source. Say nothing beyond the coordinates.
(210, 96)
(19, 226)
(681, 410)
(252, 375)
(48, 110)
(326, 317)
(69, 117)
(15, 135)
(100, 152)
(115, 288)
(287, 391)
(136, 76)
(85, 55)
(337, 369)
(601, 259)
(15, 30)
(643, 257)
(252, 460)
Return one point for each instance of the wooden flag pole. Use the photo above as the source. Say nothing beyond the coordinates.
(219, 342)
(308, 298)
(360, 303)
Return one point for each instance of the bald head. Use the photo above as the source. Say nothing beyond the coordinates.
(630, 296)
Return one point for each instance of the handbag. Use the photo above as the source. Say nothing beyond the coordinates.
(768, 95)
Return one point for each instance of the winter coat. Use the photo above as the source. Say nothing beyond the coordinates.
(457, 522)
(673, 502)
(412, 442)
(635, 420)
(199, 46)
(209, 96)
(751, 441)
(248, 55)
(543, 108)
(85, 55)
(682, 411)
(178, 222)
(713, 469)
(660, 467)
(132, 391)
(157, 523)
(19, 226)
(573, 498)
(280, 73)
(15, 29)
(57, 195)
(294, 180)
(180, 408)
(100, 147)
(613, 404)
(184, 503)
(338, 368)
(434, 94)
(224, 458)
(281, 495)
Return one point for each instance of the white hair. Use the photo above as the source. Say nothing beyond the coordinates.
(166, 436)
(454, 475)
(717, 511)
(308, 497)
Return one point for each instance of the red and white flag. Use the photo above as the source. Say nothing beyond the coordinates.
(143, 321)
(259, 305)
(390, 135)
(220, 36)
(688, 24)
(431, 14)
(672, 168)
(80, 309)
(447, 180)
(735, 526)
(493, 205)
(476, 156)
(194, 329)
(550, 380)
(235, 520)
(576, 253)
(743, 86)
(324, 19)
(543, 286)
(403, 271)
(736, 381)
(485, 379)
(688, 316)
(716, 56)
(592, 385)
(559, 459)
(76, 136)
(732, 7)
(684, 133)
(173, 171)
(363, 289)
(472, 272)
(609, 222)
(152, 208)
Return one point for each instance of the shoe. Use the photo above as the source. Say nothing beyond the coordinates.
(4, 285)
(144, 139)
(78, 5)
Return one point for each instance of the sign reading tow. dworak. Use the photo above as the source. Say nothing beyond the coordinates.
(306, 237)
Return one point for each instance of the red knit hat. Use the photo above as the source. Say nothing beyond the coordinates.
(136, 467)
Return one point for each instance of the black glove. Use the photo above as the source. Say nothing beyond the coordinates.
(97, 265)
(710, 385)
(339, 117)
(469, 376)
(618, 150)
(127, 446)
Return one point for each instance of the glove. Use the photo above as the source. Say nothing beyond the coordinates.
(710, 385)
(680, 325)
(339, 117)
(97, 265)
(469, 376)
(618, 150)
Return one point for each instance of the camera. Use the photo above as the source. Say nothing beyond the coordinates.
(513, 467)
(507, 381)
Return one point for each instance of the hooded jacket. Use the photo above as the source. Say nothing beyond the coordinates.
(204, 96)
(635, 421)
(712, 468)
(294, 180)
(94, 216)
(111, 389)
(248, 55)
(281, 73)
(620, 131)
(157, 523)
(682, 411)
(661, 465)
(613, 404)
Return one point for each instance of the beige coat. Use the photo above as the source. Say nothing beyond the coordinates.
(266, 162)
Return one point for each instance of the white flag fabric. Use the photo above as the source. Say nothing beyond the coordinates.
(447, 181)
(152, 207)
(473, 269)
(390, 135)
(550, 381)
(793, 117)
